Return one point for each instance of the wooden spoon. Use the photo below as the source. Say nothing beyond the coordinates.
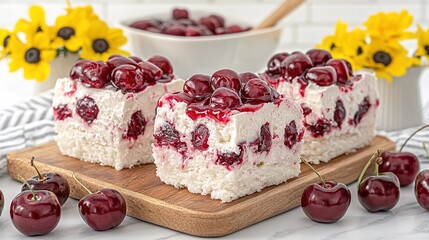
(284, 9)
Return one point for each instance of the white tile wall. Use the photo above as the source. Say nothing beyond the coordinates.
(303, 28)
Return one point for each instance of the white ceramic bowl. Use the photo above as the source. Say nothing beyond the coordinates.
(246, 51)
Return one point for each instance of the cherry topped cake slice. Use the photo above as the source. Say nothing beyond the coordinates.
(104, 111)
(227, 135)
(339, 106)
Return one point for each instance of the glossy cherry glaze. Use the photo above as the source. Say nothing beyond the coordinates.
(379, 193)
(326, 204)
(33, 217)
(103, 210)
(404, 165)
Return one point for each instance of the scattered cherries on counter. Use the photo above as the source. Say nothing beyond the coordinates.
(35, 212)
(1, 202)
(102, 210)
(325, 202)
(379, 192)
(181, 24)
(50, 181)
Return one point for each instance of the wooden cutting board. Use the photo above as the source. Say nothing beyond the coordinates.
(150, 200)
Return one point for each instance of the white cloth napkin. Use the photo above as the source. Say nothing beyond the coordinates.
(30, 123)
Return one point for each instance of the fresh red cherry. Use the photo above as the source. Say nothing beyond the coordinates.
(256, 91)
(35, 212)
(176, 30)
(247, 76)
(294, 65)
(318, 56)
(1, 202)
(223, 98)
(220, 20)
(322, 76)
(91, 74)
(226, 78)
(274, 64)
(145, 24)
(117, 61)
(421, 189)
(153, 72)
(129, 78)
(234, 29)
(103, 210)
(50, 181)
(325, 202)
(198, 86)
(194, 31)
(210, 22)
(404, 165)
(341, 68)
(180, 13)
(379, 192)
(163, 64)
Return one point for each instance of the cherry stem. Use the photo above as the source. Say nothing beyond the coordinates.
(426, 150)
(414, 133)
(41, 178)
(74, 176)
(373, 157)
(28, 185)
(314, 170)
(378, 161)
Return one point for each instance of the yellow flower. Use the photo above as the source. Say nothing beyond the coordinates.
(388, 59)
(36, 24)
(101, 42)
(390, 26)
(4, 42)
(82, 12)
(33, 56)
(68, 31)
(345, 44)
(422, 43)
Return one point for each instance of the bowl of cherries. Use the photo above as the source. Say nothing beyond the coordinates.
(200, 41)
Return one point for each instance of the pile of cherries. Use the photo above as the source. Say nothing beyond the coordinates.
(328, 201)
(128, 74)
(316, 65)
(37, 209)
(181, 24)
(216, 95)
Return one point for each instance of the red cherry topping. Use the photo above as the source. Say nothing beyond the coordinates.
(226, 78)
(136, 126)
(62, 112)
(319, 56)
(129, 78)
(119, 60)
(153, 71)
(274, 64)
(91, 74)
(198, 86)
(294, 65)
(247, 76)
(322, 76)
(223, 98)
(200, 137)
(163, 64)
(87, 109)
(340, 66)
(257, 91)
(136, 59)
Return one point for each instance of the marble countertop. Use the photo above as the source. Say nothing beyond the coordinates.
(406, 221)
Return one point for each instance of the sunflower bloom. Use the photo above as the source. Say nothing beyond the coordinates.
(388, 59)
(391, 26)
(4, 42)
(68, 31)
(422, 43)
(83, 12)
(36, 24)
(101, 42)
(33, 56)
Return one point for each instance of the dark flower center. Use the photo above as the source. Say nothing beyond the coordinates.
(427, 49)
(6, 41)
(333, 46)
(382, 57)
(100, 45)
(39, 29)
(359, 50)
(32, 55)
(65, 33)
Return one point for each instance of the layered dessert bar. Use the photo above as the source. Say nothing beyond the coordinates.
(104, 111)
(339, 106)
(227, 135)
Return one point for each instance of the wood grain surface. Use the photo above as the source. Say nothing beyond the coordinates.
(151, 200)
